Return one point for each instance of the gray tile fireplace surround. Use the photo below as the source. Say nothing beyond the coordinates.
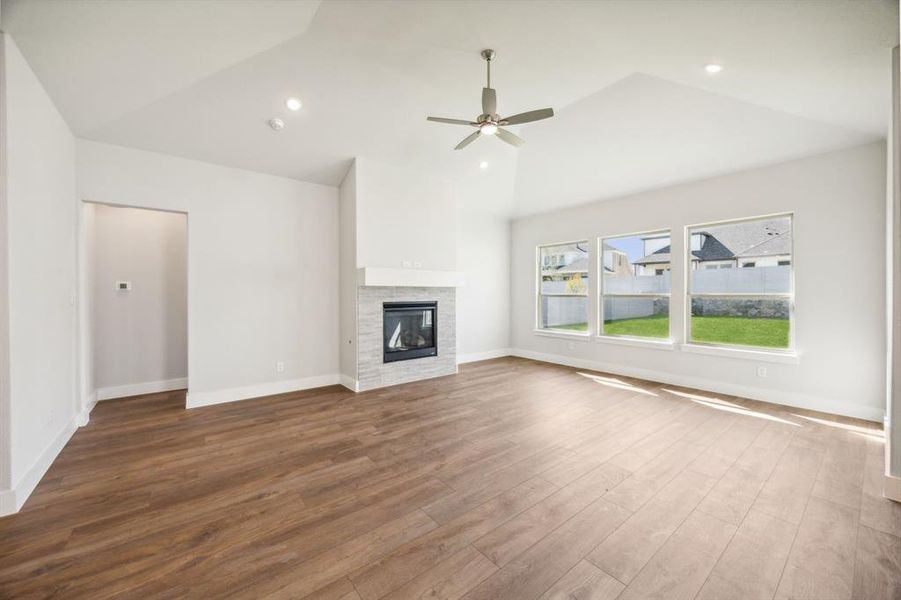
(372, 372)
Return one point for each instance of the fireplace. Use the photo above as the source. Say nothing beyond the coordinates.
(410, 330)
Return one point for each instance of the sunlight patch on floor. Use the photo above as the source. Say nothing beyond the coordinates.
(731, 407)
(867, 431)
(697, 397)
(616, 383)
(745, 412)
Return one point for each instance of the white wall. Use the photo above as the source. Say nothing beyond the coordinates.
(348, 285)
(404, 214)
(140, 337)
(409, 215)
(483, 304)
(484, 201)
(7, 497)
(893, 276)
(838, 200)
(262, 267)
(41, 263)
(87, 390)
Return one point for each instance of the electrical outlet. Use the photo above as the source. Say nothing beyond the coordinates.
(761, 371)
(417, 264)
(279, 367)
(407, 264)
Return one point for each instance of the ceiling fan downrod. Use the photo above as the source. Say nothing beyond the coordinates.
(488, 55)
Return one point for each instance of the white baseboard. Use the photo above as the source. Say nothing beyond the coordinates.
(349, 382)
(891, 488)
(11, 501)
(804, 401)
(486, 355)
(208, 398)
(85, 415)
(7, 502)
(136, 389)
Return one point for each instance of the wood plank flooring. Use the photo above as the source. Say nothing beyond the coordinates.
(514, 479)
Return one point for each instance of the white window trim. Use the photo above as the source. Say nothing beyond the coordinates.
(550, 332)
(623, 340)
(562, 333)
(626, 339)
(785, 355)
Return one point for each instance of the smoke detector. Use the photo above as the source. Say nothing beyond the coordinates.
(276, 124)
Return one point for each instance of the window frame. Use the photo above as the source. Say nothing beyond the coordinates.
(791, 349)
(601, 293)
(539, 329)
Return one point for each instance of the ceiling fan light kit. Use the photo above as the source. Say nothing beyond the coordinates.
(489, 123)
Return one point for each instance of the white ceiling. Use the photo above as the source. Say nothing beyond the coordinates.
(685, 133)
(635, 108)
(101, 59)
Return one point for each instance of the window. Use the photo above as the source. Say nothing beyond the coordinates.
(563, 287)
(749, 306)
(635, 285)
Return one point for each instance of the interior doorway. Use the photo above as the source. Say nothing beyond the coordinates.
(135, 283)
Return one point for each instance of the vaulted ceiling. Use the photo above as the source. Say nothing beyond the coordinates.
(635, 109)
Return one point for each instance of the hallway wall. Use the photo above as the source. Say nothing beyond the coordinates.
(140, 336)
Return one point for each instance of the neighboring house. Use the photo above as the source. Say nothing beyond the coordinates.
(751, 244)
(566, 261)
(565, 269)
(616, 262)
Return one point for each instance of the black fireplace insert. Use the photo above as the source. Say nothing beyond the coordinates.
(410, 330)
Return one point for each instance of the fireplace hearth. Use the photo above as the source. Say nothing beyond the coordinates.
(410, 330)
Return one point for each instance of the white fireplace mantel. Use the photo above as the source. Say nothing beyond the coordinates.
(388, 277)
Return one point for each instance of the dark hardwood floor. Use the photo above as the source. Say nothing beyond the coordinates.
(512, 480)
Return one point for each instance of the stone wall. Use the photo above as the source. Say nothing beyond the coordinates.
(752, 308)
(372, 372)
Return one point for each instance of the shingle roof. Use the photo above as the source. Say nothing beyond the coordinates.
(577, 266)
(661, 256)
(736, 240)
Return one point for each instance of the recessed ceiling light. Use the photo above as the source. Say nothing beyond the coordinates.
(483, 165)
(713, 68)
(277, 124)
(293, 103)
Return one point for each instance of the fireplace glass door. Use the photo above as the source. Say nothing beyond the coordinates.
(410, 330)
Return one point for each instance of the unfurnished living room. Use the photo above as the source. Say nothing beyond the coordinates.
(457, 299)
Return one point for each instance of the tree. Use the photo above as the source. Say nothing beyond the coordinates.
(576, 285)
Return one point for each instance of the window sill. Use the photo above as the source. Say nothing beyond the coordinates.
(788, 357)
(584, 337)
(637, 342)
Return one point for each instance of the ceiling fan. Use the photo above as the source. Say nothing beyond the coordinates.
(489, 123)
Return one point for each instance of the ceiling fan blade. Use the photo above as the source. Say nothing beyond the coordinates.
(451, 121)
(489, 101)
(467, 140)
(510, 138)
(528, 117)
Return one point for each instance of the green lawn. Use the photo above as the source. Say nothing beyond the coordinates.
(767, 333)
(657, 326)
